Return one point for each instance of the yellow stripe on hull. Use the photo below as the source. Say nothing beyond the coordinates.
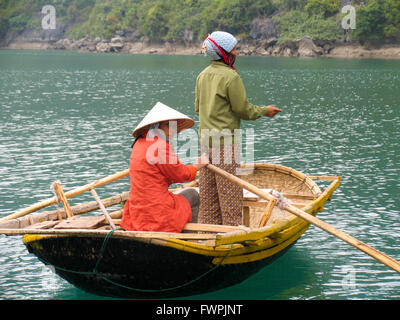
(259, 255)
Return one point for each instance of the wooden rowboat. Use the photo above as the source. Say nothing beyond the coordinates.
(87, 252)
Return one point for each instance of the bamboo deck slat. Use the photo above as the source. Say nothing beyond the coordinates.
(102, 233)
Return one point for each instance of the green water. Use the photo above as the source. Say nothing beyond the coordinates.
(69, 116)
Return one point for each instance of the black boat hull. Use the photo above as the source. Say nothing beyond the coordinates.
(127, 268)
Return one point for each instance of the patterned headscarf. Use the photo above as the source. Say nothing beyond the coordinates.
(218, 42)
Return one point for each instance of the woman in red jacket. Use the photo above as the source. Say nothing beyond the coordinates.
(153, 167)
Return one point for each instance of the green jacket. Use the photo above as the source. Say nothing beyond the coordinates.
(221, 100)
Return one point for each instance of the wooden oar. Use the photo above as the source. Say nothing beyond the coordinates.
(103, 209)
(69, 194)
(381, 257)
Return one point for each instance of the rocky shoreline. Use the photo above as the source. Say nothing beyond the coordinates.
(304, 47)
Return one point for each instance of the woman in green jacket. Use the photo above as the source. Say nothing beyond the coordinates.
(220, 104)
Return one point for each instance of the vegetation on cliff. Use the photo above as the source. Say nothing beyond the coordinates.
(193, 19)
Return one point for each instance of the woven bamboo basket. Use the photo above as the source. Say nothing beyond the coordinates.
(283, 179)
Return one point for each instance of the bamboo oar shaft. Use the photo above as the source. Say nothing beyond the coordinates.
(102, 208)
(61, 196)
(69, 194)
(383, 258)
(267, 213)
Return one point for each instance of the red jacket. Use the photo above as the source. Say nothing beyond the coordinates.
(151, 207)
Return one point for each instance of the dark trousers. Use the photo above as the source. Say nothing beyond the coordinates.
(193, 197)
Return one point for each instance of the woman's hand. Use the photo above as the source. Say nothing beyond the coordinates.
(272, 111)
(202, 161)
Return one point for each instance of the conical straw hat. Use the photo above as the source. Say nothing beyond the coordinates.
(161, 112)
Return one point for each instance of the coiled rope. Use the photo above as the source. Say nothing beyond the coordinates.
(281, 201)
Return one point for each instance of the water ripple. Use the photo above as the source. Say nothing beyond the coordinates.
(70, 116)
